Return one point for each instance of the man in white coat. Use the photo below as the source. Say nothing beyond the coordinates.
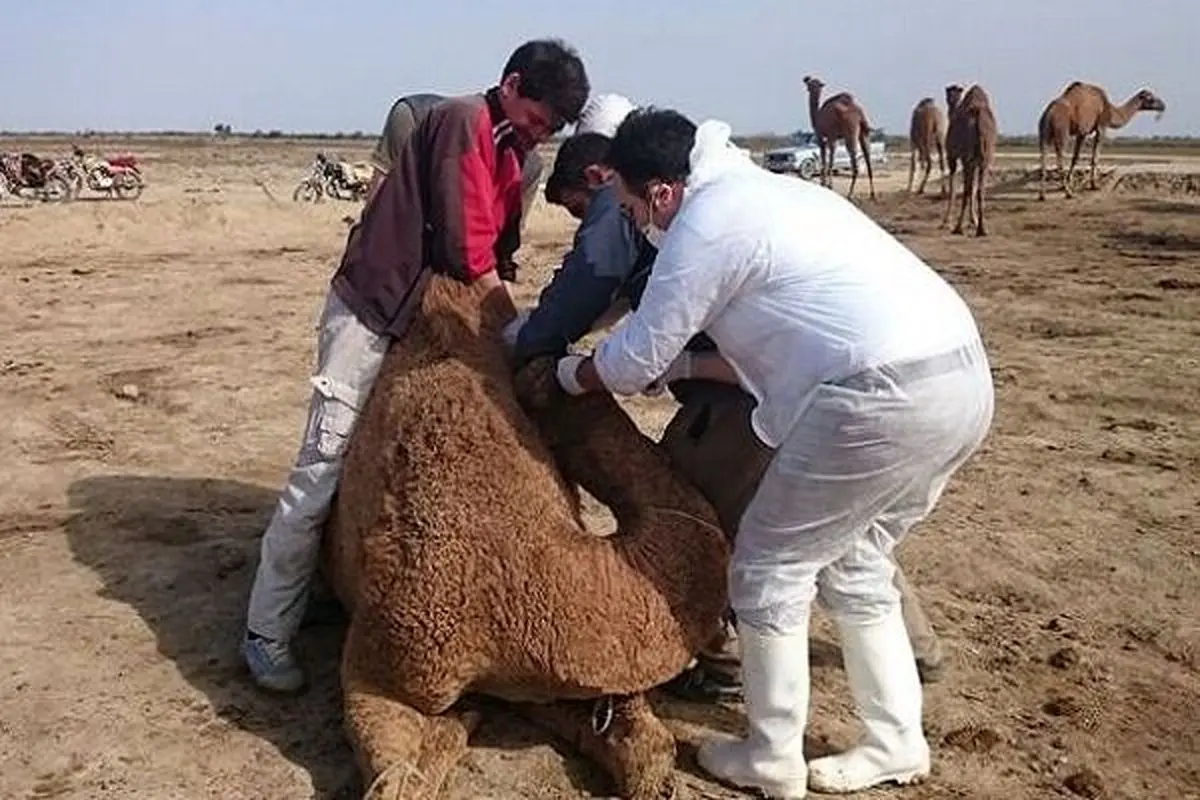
(873, 388)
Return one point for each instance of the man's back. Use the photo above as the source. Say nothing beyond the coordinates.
(811, 289)
(404, 116)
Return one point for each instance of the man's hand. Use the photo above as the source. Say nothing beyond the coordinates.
(497, 299)
(681, 368)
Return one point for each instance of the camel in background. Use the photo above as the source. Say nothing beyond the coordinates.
(971, 138)
(1083, 110)
(926, 132)
(839, 117)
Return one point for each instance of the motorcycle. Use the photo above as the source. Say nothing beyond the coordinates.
(333, 178)
(117, 174)
(31, 177)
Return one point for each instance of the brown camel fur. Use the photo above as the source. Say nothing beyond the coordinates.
(971, 138)
(1083, 110)
(839, 117)
(926, 133)
(457, 546)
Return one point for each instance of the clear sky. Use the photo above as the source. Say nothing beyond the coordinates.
(314, 65)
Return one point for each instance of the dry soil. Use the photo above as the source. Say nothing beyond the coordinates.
(153, 361)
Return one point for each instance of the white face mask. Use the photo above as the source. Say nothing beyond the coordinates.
(653, 234)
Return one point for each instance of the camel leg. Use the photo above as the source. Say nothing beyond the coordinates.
(968, 184)
(980, 228)
(926, 167)
(635, 748)
(1042, 175)
(1071, 170)
(1095, 153)
(941, 168)
(912, 168)
(951, 167)
(865, 142)
(401, 753)
(853, 166)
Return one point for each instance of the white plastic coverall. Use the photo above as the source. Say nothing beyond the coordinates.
(799, 289)
(872, 387)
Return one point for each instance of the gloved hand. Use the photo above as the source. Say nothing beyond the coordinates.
(680, 369)
(567, 371)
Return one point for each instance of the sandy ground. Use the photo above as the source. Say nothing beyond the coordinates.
(153, 364)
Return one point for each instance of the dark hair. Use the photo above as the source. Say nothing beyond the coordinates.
(575, 155)
(551, 73)
(652, 144)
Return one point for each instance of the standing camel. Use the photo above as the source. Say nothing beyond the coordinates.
(926, 132)
(839, 117)
(1083, 110)
(971, 138)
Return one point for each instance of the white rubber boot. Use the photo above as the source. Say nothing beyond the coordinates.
(883, 679)
(775, 688)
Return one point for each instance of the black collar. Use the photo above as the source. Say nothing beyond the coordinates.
(502, 130)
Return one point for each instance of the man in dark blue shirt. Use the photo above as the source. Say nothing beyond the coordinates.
(709, 440)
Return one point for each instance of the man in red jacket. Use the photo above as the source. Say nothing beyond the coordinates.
(452, 192)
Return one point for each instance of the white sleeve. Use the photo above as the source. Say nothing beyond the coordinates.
(692, 280)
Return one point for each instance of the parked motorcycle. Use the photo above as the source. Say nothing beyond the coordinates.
(117, 175)
(336, 179)
(28, 176)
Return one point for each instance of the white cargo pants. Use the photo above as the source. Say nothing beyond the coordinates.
(349, 356)
(867, 459)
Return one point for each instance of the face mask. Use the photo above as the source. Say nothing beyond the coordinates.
(653, 234)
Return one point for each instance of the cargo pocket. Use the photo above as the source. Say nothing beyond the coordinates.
(337, 413)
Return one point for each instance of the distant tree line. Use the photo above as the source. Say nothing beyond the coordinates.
(756, 141)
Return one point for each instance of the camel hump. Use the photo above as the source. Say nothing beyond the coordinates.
(841, 97)
(1072, 86)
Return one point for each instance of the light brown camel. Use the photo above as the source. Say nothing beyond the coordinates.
(1083, 110)
(456, 544)
(840, 117)
(970, 138)
(926, 133)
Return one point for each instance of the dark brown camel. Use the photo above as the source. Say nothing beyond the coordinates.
(926, 133)
(1083, 110)
(971, 138)
(457, 545)
(839, 118)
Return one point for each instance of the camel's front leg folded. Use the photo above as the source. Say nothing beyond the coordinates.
(622, 735)
(402, 753)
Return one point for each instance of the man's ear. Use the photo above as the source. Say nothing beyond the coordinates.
(596, 175)
(510, 86)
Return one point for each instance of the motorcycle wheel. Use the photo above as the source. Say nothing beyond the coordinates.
(55, 190)
(306, 191)
(127, 186)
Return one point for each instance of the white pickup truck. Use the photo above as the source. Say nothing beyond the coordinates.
(804, 158)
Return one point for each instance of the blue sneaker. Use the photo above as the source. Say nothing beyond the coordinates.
(272, 664)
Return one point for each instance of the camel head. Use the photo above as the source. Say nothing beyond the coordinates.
(1149, 101)
(954, 93)
(814, 85)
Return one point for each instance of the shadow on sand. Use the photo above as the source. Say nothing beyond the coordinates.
(182, 553)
